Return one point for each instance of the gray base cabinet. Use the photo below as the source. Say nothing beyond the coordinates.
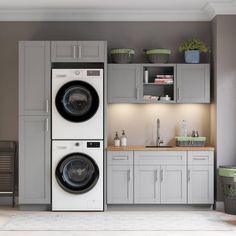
(78, 51)
(200, 178)
(160, 177)
(120, 177)
(34, 160)
(193, 83)
(120, 185)
(124, 84)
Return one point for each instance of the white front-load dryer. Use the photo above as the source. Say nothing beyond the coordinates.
(77, 104)
(77, 175)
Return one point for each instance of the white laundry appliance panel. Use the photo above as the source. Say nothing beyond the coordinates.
(91, 128)
(93, 199)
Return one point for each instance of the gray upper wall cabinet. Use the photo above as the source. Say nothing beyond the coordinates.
(77, 51)
(124, 84)
(193, 83)
(34, 77)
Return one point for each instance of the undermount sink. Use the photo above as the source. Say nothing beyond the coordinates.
(158, 146)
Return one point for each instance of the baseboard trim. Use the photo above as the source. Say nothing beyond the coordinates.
(35, 207)
(197, 207)
(219, 206)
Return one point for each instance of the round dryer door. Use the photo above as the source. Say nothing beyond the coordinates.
(77, 101)
(77, 173)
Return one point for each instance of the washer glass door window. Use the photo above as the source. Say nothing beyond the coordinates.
(77, 173)
(77, 101)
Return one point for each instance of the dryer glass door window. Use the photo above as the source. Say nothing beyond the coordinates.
(77, 101)
(77, 173)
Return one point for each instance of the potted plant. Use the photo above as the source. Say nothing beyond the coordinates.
(192, 49)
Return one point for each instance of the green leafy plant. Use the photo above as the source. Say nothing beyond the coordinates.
(193, 44)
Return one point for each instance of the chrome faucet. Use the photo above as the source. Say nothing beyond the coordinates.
(159, 141)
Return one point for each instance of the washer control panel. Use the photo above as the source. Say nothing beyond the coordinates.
(93, 144)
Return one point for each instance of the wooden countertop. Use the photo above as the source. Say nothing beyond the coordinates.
(143, 148)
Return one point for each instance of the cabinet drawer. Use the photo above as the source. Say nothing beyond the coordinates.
(200, 158)
(120, 157)
(160, 158)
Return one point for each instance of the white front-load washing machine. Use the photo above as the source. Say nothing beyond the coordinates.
(77, 175)
(77, 104)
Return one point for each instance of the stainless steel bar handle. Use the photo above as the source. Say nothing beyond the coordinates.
(178, 93)
(128, 180)
(128, 175)
(137, 93)
(80, 51)
(47, 106)
(162, 175)
(200, 158)
(74, 51)
(120, 158)
(188, 175)
(47, 125)
(155, 176)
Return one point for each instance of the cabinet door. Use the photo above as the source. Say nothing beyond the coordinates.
(200, 185)
(173, 184)
(193, 83)
(34, 77)
(147, 184)
(124, 83)
(91, 51)
(120, 184)
(34, 160)
(64, 51)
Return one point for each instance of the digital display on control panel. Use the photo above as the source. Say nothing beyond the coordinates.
(93, 72)
(93, 144)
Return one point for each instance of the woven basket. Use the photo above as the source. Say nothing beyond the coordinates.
(122, 55)
(158, 55)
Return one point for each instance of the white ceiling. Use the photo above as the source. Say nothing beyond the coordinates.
(121, 10)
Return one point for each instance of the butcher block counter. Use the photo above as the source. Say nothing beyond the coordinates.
(174, 148)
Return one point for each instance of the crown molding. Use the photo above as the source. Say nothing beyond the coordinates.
(99, 15)
(207, 13)
(220, 8)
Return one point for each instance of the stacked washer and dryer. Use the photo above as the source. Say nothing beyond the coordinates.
(77, 140)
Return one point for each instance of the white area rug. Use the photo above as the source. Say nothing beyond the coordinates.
(118, 221)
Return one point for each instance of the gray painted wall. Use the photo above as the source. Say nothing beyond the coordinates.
(138, 35)
(224, 106)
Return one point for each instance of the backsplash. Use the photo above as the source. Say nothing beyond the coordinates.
(140, 121)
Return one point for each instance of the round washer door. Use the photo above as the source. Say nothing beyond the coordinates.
(77, 101)
(77, 173)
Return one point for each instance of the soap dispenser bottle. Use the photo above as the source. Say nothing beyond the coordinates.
(123, 139)
(184, 128)
(116, 140)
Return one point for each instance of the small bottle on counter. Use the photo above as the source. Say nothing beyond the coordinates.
(184, 128)
(146, 76)
(195, 133)
(116, 140)
(123, 139)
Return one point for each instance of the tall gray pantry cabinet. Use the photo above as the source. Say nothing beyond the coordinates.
(34, 122)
